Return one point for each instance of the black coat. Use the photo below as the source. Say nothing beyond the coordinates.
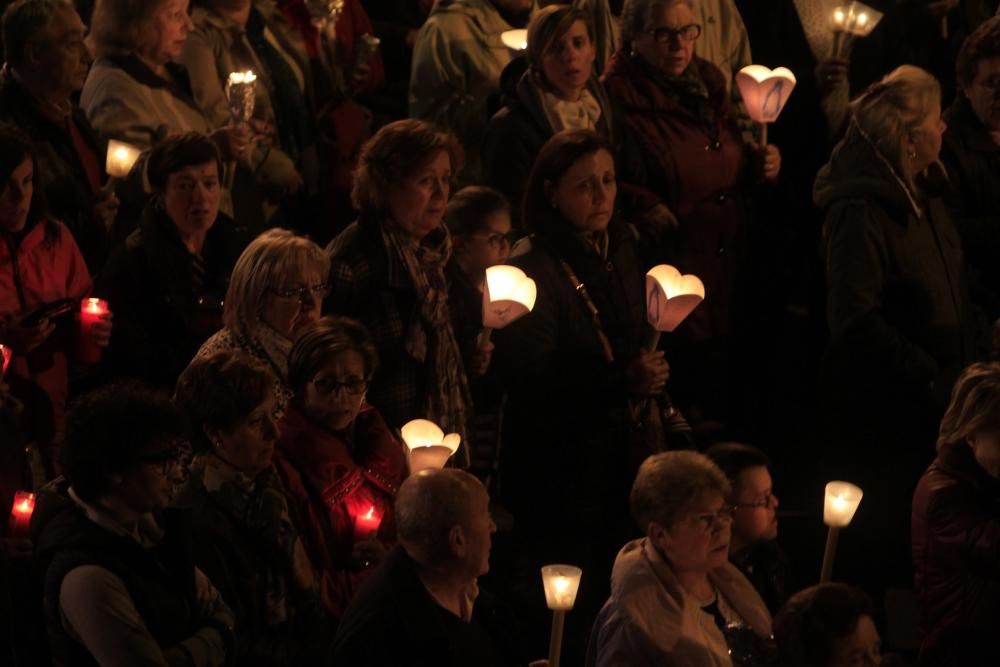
(59, 174)
(393, 620)
(164, 308)
(972, 158)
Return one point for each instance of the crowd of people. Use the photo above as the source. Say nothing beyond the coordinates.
(209, 356)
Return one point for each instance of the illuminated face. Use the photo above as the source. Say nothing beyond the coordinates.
(585, 195)
(191, 198)
(569, 62)
(294, 304)
(926, 139)
(488, 246)
(249, 447)
(755, 519)
(668, 41)
(333, 397)
(63, 58)
(166, 31)
(699, 541)
(418, 201)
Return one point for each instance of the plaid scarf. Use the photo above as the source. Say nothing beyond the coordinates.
(688, 90)
(430, 339)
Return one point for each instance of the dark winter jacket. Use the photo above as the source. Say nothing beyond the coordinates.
(60, 176)
(166, 301)
(956, 548)
(972, 157)
(897, 309)
(700, 171)
(518, 131)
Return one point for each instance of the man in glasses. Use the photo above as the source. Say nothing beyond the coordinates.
(752, 547)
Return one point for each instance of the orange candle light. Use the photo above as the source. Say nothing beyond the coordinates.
(366, 524)
(92, 311)
(20, 513)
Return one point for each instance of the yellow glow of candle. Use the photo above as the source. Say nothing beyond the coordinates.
(842, 500)
(561, 583)
(121, 158)
(242, 77)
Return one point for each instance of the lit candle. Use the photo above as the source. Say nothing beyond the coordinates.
(92, 311)
(561, 583)
(241, 94)
(427, 445)
(366, 524)
(508, 295)
(840, 503)
(121, 158)
(515, 40)
(670, 298)
(765, 92)
(20, 513)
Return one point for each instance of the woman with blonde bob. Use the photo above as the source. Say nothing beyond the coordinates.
(275, 291)
(897, 310)
(676, 599)
(956, 527)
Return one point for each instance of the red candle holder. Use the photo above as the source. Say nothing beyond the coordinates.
(366, 524)
(5, 356)
(92, 311)
(20, 513)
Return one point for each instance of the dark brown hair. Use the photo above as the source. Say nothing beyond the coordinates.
(470, 206)
(324, 339)
(176, 153)
(814, 621)
(983, 43)
(974, 405)
(549, 25)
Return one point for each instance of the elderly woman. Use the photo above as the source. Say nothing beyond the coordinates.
(676, 599)
(678, 106)
(896, 307)
(168, 279)
(830, 625)
(971, 152)
(245, 540)
(40, 266)
(339, 459)
(121, 587)
(387, 271)
(560, 92)
(956, 527)
(275, 291)
(246, 35)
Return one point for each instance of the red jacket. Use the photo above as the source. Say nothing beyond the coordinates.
(699, 171)
(45, 266)
(331, 481)
(956, 561)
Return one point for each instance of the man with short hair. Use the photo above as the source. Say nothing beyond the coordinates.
(752, 547)
(47, 61)
(423, 605)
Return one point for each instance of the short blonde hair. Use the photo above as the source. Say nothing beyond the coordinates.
(974, 405)
(117, 26)
(268, 261)
(890, 110)
(668, 485)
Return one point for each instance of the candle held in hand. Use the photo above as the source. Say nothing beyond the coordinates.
(92, 311)
(20, 513)
(366, 524)
(841, 502)
(121, 158)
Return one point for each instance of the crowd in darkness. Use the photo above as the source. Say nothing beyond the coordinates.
(210, 354)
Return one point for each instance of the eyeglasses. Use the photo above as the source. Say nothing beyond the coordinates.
(765, 501)
(688, 33)
(166, 461)
(353, 386)
(708, 521)
(302, 294)
(498, 241)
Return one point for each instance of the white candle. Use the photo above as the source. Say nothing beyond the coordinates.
(561, 583)
(841, 502)
(121, 158)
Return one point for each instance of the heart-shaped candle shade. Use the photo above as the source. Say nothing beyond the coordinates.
(508, 295)
(427, 445)
(765, 91)
(515, 40)
(670, 297)
(857, 19)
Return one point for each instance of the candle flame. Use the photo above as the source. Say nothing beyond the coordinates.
(862, 19)
(24, 503)
(371, 513)
(839, 502)
(561, 584)
(838, 16)
(242, 77)
(94, 306)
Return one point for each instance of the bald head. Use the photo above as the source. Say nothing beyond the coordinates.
(429, 505)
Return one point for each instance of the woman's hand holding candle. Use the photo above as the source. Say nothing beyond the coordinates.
(106, 206)
(100, 331)
(647, 374)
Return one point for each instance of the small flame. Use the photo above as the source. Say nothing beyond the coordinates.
(561, 584)
(838, 16)
(371, 513)
(242, 77)
(24, 503)
(862, 19)
(839, 502)
(94, 306)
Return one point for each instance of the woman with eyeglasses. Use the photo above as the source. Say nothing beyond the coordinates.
(676, 599)
(388, 272)
(337, 457)
(678, 106)
(247, 539)
(121, 587)
(276, 290)
(168, 279)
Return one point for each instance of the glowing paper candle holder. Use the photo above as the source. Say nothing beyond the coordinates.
(561, 583)
(850, 22)
(121, 158)
(427, 445)
(366, 524)
(515, 40)
(92, 311)
(765, 92)
(508, 295)
(670, 298)
(241, 92)
(839, 505)
(20, 513)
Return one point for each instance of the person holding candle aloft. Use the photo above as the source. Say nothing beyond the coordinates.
(168, 279)
(47, 63)
(246, 538)
(340, 463)
(275, 291)
(676, 599)
(956, 527)
(41, 264)
(678, 105)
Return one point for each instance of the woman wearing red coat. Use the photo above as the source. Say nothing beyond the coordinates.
(337, 457)
(678, 106)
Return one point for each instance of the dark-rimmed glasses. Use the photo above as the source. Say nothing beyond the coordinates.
(327, 386)
(707, 521)
(497, 241)
(664, 35)
(301, 294)
(764, 501)
(165, 461)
